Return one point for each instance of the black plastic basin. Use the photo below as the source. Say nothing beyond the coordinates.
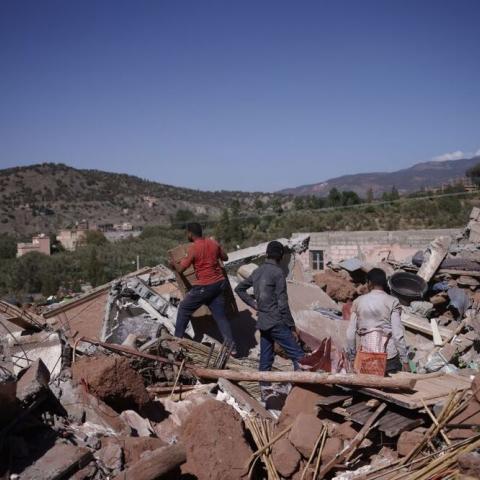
(407, 287)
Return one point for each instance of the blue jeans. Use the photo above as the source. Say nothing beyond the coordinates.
(213, 297)
(282, 334)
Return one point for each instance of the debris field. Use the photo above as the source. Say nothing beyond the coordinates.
(98, 387)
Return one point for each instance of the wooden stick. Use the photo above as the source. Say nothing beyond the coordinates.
(372, 475)
(166, 390)
(434, 420)
(177, 378)
(261, 434)
(312, 455)
(352, 446)
(354, 380)
(270, 443)
(319, 457)
(433, 430)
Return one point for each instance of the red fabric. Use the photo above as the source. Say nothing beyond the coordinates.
(205, 254)
(347, 310)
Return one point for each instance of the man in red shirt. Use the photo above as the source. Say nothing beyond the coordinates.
(209, 287)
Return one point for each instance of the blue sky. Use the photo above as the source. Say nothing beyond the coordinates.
(248, 95)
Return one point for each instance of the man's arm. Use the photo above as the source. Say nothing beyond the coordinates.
(241, 291)
(282, 300)
(222, 254)
(352, 335)
(398, 336)
(184, 263)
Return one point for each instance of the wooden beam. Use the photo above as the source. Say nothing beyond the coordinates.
(155, 465)
(348, 379)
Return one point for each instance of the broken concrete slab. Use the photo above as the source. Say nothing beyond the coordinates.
(58, 463)
(110, 457)
(304, 433)
(246, 255)
(33, 381)
(156, 465)
(170, 429)
(409, 440)
(301, 399)
(139, 425)
(333, 445)
(306, 296)
(286, 457)
(80, 406)
(29, 348)
(133, 447)
(319, 326)
(133, 307)
(208, 458)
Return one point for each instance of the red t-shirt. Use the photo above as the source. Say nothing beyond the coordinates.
(205, 254)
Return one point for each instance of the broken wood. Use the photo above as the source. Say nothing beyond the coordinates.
(433, 258)
(437, 338)
(422, 325)
(353, 380)
(349, 379)
(450, 271)
(156, 464)
(244, 399)
(349, 450)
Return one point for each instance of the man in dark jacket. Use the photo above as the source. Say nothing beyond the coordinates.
(275, 320)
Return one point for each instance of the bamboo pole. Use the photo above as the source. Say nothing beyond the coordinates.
(352, 446)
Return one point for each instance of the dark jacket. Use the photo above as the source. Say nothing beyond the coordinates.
(270, 292)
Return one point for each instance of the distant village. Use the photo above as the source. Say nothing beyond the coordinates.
(71, 238)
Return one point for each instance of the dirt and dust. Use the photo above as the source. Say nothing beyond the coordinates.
(337, 285)
(113, 380)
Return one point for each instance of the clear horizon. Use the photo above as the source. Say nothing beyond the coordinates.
(246, 96)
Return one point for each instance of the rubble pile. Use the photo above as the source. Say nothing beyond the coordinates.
(98, 387)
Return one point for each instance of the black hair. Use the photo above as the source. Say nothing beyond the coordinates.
(378, 278)
(275, 250)
(195, 229)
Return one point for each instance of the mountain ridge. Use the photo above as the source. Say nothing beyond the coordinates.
(424, 175)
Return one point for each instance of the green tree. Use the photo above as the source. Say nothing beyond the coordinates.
(474, 174)
(95, 237)
(350, 198)
(8, 246)
(94, 267)
(334, 198)
(183, 216)
(299, 203)
(258, 204)
(394, 195)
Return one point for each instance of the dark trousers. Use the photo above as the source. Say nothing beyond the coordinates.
(283, 336)
(394, 365)
(213, 297)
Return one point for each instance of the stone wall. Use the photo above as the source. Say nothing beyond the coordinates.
(372, 246)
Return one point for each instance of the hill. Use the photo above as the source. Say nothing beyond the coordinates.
(424, 175)
(46, 197)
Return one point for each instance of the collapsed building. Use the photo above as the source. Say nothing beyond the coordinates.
(98, 387)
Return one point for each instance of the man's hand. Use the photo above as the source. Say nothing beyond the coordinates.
(405, 367)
